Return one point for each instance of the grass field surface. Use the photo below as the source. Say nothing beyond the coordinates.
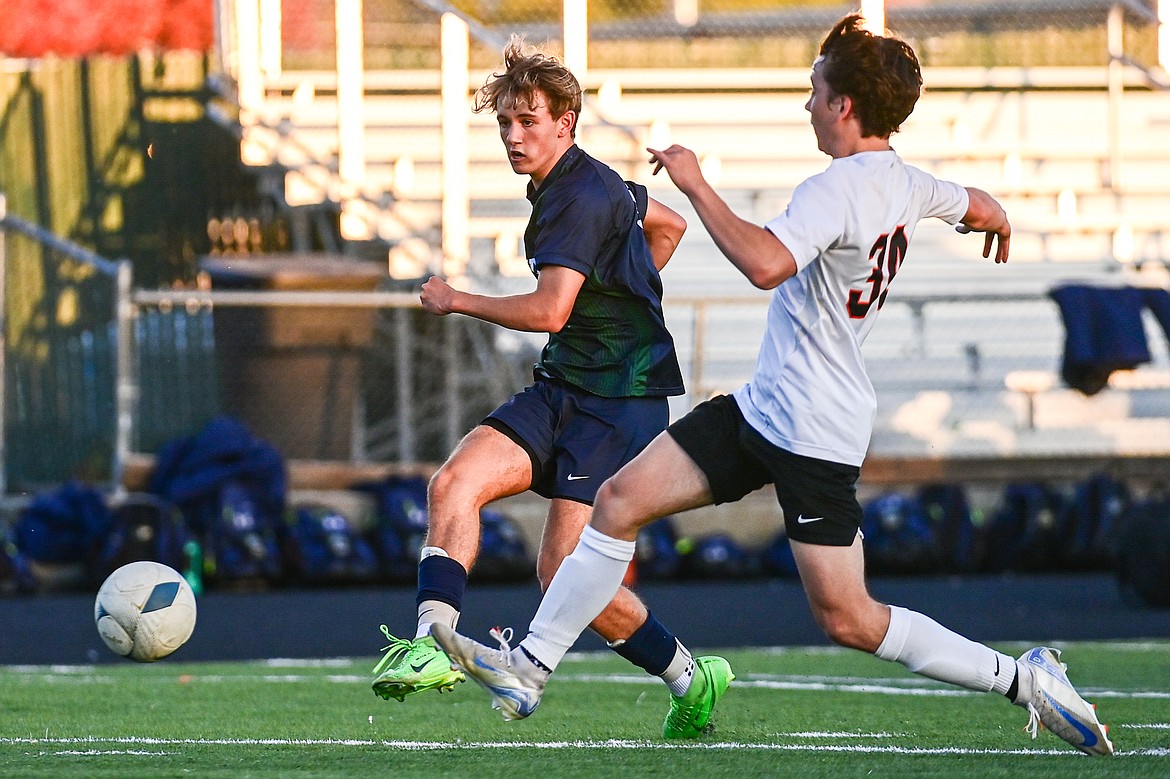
(791, 712)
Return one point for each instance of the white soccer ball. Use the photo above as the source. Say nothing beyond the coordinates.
(144, 611)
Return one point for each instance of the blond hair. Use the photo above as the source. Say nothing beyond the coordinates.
(526, 72)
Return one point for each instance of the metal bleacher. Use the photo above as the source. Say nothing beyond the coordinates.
(1013, 140)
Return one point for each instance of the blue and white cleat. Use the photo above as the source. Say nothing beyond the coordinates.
(514, 683)
(1055, 704)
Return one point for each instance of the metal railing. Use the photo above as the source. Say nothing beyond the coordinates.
(421, 382)
(126, 315)
(120, 272)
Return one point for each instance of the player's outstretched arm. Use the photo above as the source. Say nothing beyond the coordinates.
(986, 215)
(758, 254)
(664, 228)
(544, 310)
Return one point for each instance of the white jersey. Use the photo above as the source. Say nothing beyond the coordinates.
(848, 228)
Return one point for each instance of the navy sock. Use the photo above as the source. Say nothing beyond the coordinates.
(442, 579)
(651, 647)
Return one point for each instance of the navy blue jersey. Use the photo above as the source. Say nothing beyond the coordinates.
(615, 343)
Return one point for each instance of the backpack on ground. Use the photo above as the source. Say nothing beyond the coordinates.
(231, 489)
(719, 556)
(321, 546)
(776, 557)
(241, 544)
(1089, 523)
(16, 576)
(958, 526)
(503, 553)
(656, 555)
(400, 527)
(145, 527)
(63, 527)
(192, 473)
(400, 532)
(1022, 534)
(1143, 554)
(899, 538)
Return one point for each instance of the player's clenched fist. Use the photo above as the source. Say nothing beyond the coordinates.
(437, 296)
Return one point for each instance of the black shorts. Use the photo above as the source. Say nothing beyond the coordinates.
(818, 497)
(577, 440)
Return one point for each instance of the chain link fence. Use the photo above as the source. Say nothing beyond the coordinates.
(103, 371)
(401, 34)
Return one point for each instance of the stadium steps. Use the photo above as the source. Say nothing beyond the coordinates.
(1015, 144)
(1073, 215)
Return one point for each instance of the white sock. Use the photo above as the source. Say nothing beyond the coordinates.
(432, 611)
(681, 671)
(927, 648)
(583, 586)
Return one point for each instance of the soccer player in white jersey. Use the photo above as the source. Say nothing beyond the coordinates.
(803, 422)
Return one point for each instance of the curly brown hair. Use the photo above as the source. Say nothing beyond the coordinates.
(879, 73)
(526, 72)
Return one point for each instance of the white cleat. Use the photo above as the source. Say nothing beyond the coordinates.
(1057, 705)
(515, 685)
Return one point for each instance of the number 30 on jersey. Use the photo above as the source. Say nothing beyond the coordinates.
(886, 255)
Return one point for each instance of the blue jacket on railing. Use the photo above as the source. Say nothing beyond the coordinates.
(1104, 331)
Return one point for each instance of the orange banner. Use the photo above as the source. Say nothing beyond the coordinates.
(79, 28)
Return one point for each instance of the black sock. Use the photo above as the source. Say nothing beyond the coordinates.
(442, 579)
(651, 647)
(535, 660)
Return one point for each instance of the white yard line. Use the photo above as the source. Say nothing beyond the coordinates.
(910, 686)
(427, 746)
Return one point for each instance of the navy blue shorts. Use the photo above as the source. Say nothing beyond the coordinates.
(577, 440)
(818, 497)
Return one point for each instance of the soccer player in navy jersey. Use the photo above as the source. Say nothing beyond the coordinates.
(802, 423)
(599, 394)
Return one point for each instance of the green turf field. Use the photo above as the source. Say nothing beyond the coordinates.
(791, 712)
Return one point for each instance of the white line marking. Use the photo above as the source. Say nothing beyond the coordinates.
(834, 734)
(902, 681)
(879, 686)
(290, 662)
(910, 686)
(871, 688)
(105, 752)
(588, 655)
(428, 746)
(1148, 726)
(1125, 646)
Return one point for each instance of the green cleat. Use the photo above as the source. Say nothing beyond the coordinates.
(690, 714)
(408, 667)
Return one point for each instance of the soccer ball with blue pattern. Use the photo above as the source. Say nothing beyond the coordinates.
(145, 611)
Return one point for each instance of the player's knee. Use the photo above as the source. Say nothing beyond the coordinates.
(440, 484)
(847, 627)
(840, 631)
(614, 509)
(450, 484)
